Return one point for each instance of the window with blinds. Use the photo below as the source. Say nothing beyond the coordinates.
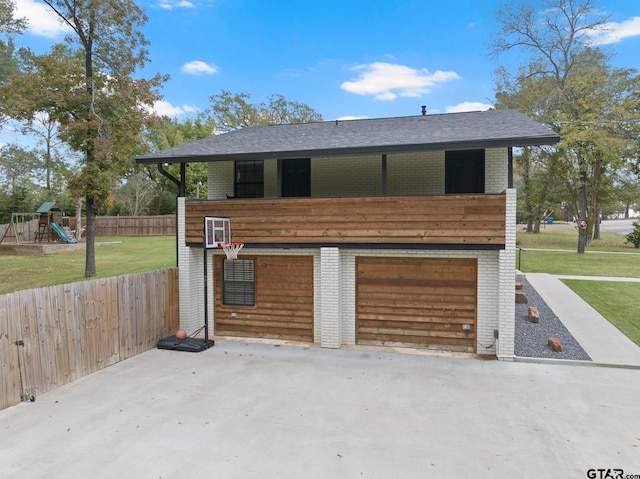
(238, 282)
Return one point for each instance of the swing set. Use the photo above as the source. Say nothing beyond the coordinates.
(18, 229)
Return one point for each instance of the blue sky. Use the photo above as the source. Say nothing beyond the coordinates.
(346, 59)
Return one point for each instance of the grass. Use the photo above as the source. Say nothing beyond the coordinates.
(567, 238)
(616, 301)
(128, 255)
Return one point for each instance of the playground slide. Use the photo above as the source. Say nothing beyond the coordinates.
(61, 234)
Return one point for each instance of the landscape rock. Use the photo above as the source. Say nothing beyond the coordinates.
(522, 298)
(534, 315)
(555, 344)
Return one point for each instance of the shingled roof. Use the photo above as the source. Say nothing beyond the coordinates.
(451, 131)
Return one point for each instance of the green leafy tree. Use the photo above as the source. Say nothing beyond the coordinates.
(9, 27)
(100, 107)
(583, 97)
(167, 133)
(18, 171)
(231, 111)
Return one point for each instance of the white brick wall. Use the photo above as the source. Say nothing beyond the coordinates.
(507, 278)
(346, 176)
(330, 287)
(418, 173)
(190, 297)
(496, 172)
(220, 180)
(270, 178)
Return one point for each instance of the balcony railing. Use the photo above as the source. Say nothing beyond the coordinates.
(468, 220)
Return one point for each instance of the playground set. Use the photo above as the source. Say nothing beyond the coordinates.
(52, 227)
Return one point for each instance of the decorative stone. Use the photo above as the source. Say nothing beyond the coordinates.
(519, 285)
(555, 344)
(534, 315)
(522, 298)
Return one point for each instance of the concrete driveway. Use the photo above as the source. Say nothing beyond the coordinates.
(261, 411)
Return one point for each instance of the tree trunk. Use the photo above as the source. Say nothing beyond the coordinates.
(596, 224)
(90, 257)
(582, 214)
(536, 226)
(78, 218)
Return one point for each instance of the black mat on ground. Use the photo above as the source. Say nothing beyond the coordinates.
(191, 345)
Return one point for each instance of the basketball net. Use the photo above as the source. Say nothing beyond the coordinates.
(232, 249)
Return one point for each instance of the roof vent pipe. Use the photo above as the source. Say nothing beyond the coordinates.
(424, 110)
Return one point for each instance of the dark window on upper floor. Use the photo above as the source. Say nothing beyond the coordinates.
(249, 179)
(464, 171)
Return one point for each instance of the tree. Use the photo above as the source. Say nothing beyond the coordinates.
(9, 26)
(169, 132)
(101, 108)
(231, 111)
(584, 98)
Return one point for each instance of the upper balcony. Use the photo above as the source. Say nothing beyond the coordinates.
(452, 221)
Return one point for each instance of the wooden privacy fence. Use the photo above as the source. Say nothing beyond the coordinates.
(52, 336)
(164, 225)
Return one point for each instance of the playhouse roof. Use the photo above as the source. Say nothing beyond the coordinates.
(48, 206)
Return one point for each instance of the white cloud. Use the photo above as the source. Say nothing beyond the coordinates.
(197, 67)
(387, 81)
(615, 32)
(351, 117)
(171, 4)
(42, 20)
(164, 108)
(468, 106)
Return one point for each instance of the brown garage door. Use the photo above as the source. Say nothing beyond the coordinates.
(424, 302)
(280, 298)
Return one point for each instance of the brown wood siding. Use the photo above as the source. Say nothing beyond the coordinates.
(283, 300)
(416, 301)
(461, 220)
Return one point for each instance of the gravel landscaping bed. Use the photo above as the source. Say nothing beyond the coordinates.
(531, 338)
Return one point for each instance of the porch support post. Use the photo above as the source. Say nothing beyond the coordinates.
(330, 308)
(384, 174)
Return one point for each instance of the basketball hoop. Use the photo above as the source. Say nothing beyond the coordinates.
(232, 249)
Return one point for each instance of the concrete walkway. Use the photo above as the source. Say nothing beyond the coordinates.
(600, 339)
(260, 411)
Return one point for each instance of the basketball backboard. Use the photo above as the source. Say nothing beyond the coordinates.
(217, 231)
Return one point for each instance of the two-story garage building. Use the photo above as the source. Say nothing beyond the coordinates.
(389, 231)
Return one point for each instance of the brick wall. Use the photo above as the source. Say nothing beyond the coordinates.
(496, 172)
(419, 173)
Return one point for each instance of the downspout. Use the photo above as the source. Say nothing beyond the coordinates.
(181, 188)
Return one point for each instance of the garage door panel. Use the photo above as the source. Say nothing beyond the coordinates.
(425, 302)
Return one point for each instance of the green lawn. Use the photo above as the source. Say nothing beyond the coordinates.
(616, 301)
(128, 255)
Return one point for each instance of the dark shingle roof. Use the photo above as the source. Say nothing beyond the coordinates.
(486, 129)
